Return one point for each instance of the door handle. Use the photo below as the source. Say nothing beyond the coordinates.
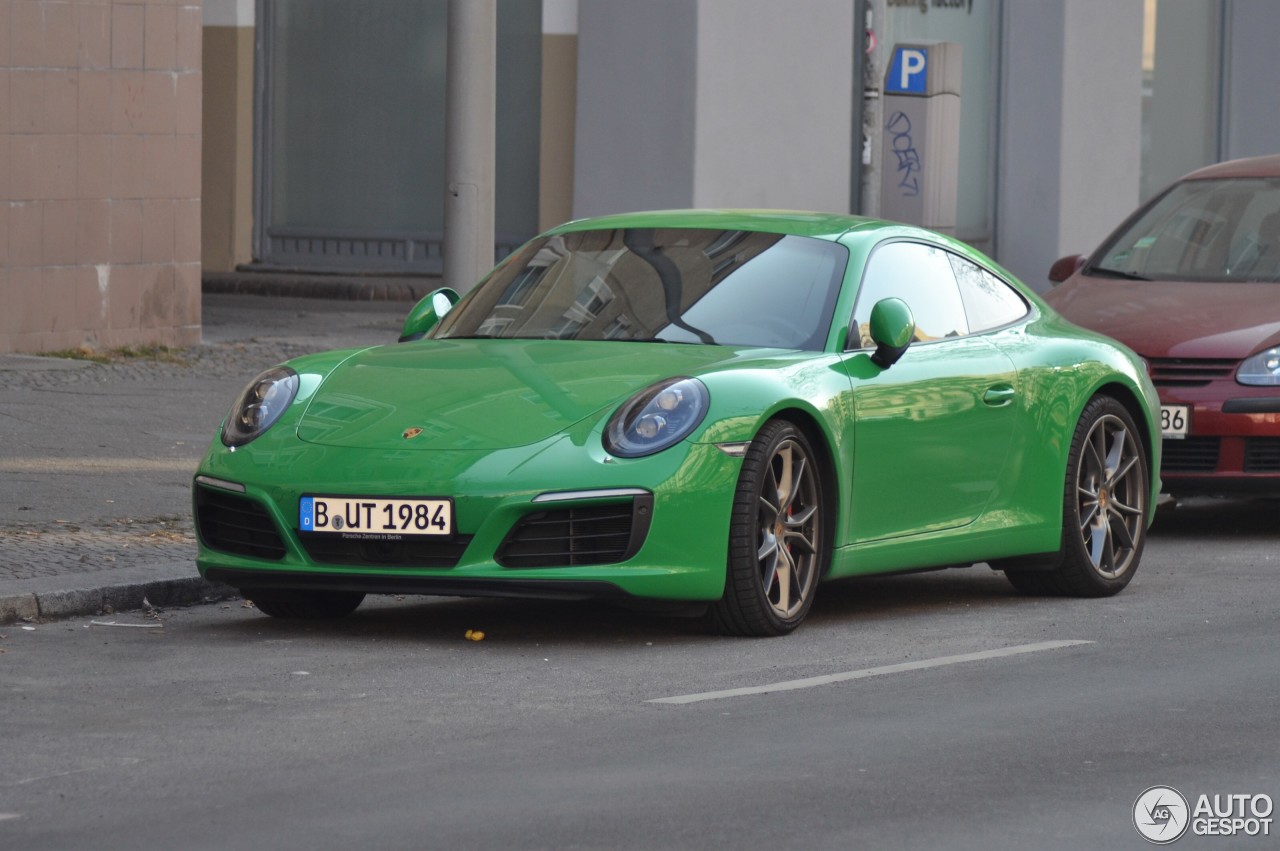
(999, 395)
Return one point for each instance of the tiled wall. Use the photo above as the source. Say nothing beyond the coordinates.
(100, 112)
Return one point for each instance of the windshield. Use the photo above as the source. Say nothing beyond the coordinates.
(679, 285)
(1201, 230)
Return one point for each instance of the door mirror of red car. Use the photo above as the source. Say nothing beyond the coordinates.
(892, 330)
(1065, 267)
(427, 312)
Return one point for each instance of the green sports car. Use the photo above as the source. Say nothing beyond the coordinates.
(716, 408)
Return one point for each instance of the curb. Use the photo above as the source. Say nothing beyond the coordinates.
(48, 605)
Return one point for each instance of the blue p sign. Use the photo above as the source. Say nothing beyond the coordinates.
(907, 71)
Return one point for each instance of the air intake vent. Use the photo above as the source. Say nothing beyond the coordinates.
(237, 525)
(1262, 455)
(578, 535)
(1192, 455)
(1189, 372)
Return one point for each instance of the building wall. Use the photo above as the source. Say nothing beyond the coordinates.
(1181, 132)
(713, 103)
(1252, 98)
(1100, 166)
(1070, 154)
(773, 118)
(558, 119)
(99, 173)
(634, 137)
(559, 86)
(227, 200)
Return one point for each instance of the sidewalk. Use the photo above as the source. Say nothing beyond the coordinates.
(96, 459)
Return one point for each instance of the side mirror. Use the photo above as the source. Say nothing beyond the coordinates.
(427, 312)
(892, 329)
(1065, 267)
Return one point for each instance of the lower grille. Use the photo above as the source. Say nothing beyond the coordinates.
(1262, 455)
(237, 525)
(578, 536)
(335, 549)
(1191, 455)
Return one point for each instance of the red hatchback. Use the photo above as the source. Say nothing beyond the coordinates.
(1191, 282)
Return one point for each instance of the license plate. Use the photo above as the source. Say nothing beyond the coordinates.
(1175, 421)
(375, 517)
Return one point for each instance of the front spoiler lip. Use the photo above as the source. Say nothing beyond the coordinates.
(248, 581)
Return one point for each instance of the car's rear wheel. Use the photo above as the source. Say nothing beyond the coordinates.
(777, 537)
(306, 605)
(1104, 514)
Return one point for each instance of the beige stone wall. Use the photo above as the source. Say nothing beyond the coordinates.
(100, 165)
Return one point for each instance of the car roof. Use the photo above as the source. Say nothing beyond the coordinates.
(1268, 166)
(794, 222)
(847, 229)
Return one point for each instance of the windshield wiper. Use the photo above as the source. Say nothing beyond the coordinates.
(662, 340)
(1104, 272)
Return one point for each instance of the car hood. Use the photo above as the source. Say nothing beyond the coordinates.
(485, 394)
(1175, 319)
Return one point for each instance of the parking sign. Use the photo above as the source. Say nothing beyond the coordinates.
(907, 71)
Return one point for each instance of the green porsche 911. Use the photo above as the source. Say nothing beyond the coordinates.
(717, 408)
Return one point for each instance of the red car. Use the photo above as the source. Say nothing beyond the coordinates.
(1191, 282)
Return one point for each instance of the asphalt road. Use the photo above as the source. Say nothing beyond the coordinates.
(225, 729)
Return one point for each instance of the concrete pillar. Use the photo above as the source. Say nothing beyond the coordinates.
(1070, 142)
(714, 103)
(469, 142)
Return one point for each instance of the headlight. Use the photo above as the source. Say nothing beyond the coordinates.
(657, 417)
(260, 405)
(1263, 368)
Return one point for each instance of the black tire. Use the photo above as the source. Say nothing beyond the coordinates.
(306, 605)
(1104, 512)
(777, 537)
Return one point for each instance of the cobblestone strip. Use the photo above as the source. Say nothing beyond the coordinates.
(223, 360)
(28, 551)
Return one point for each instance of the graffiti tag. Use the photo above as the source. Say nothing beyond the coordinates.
(909, 166)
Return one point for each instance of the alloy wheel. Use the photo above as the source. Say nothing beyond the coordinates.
(789, 533)
(1111, 491)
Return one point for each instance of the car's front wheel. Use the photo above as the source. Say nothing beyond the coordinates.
(777, 536)
(1104, 513)
(306, 605)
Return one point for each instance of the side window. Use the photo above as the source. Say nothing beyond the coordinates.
(988, 301)
(921, 276)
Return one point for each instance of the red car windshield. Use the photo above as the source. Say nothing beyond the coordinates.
(1225, 230)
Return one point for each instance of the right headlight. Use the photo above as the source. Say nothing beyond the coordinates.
(1261, 369)
(656, 418)
(260, 405)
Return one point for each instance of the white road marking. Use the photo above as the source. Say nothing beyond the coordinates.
(114, 762)
(9, 816)
(828, 679)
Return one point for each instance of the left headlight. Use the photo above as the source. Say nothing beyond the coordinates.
(1261, 369)
(260, 405)
(659, 416)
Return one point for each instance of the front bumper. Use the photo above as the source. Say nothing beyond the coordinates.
(653, 528)
(1233, 443)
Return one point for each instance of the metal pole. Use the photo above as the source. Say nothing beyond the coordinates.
(858, 130)
(470, 92)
